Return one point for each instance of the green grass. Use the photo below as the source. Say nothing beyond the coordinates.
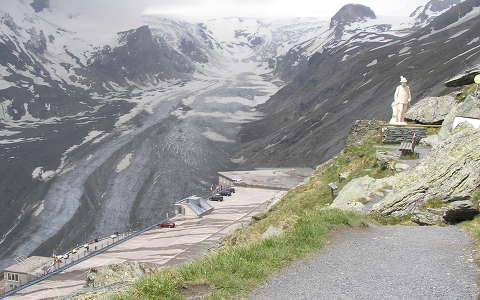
(245, 260)
(467, 90)
(409, 156)
(432, 130)
(433, 203)
(236, 270)
(382, 220)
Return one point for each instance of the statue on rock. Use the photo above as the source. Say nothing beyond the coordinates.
(403, 97)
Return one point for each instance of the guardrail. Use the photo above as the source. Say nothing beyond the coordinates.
(84, 258)
(76, 262)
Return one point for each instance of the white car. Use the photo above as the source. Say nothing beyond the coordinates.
(65, 256)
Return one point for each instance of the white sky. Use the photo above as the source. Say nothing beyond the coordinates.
(129, 9)
(276, 8)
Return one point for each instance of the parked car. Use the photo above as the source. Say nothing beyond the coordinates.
(224, 192)
(230, 189)
(167, 224)
(215, 197)
(65, 256)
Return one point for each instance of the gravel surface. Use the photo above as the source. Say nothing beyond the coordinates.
(391, 262)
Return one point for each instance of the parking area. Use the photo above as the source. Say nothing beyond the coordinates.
(191, 238)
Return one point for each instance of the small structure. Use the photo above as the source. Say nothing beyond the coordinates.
(24, 271)
(193, 206)
(396, 134)
(275, 179)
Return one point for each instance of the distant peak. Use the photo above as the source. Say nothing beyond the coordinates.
(40, 5)
(351, 13)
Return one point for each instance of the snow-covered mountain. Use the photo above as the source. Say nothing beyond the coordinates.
(104, 122)
(306, 122)
(424, 14)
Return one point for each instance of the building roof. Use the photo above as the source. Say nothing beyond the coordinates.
(282, 179)
(30, 265)
(198, 205)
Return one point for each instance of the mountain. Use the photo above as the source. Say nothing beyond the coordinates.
(351, 27)
(104, 124)
(423, 15)
(306, 122)
(351, 13)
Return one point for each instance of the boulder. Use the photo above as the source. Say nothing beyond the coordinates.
(430, 141)
(426, 218)
(459, 211)
(360, 194)
(271, 232)
(450, 171)
(431, 110)
(468, 108)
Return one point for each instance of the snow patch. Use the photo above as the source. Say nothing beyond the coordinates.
(124, 163)
(374, 62)
(475, 40)
(40, 174)
(216, 137)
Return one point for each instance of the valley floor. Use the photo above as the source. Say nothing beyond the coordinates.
(388, 262)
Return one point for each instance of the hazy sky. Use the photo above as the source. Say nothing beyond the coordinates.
(220, 8)
(277, 8)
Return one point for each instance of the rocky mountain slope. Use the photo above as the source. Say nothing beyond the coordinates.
(307, 121)
(104, 123)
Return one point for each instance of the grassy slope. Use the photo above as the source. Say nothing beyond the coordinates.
(246, 260)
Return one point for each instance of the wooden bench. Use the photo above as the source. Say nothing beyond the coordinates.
(409, 147)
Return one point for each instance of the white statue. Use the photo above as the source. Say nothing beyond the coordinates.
(403, 97)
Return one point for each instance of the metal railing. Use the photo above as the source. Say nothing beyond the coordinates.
(83, 254)
(81, 257)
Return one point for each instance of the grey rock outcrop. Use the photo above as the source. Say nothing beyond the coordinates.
(468, 108)
(459, 211)
(431, 110)
(464, 79)
(451, 171)
(271, 232)
(360, 194)
(352, 13)
(430, 141)
(426, 218)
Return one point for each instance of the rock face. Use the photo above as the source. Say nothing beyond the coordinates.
(433, 8)
(141, 57)
(431, 110)
(459, 211)
(464, 79)
(469, 108)
(351, 13)
(363, 128)
(361, 194)
(426, 218)
(451, 171)
(308, 114)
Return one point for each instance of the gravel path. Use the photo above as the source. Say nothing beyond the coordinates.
(392, 262)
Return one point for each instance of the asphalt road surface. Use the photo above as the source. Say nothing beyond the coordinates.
(392, 262)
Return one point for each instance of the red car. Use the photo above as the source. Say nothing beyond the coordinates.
(167, 224)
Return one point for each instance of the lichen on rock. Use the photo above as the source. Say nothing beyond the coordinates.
(431, 110)
(451, 171)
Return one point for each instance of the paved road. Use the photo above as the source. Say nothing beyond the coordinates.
(165, 247)
(391, 262)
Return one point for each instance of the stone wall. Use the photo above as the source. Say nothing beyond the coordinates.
(363, 128)
(397, 134)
